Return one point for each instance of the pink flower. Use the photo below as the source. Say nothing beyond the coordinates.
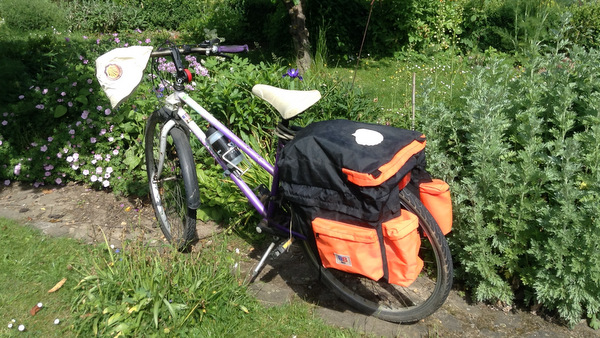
(43, 148)
(105, 184)
(107, 111)
(50, 139)
(7, 182)
(99, 170)
(4, 122)
(85, 172)
(85, 114)
(17, 169)
(45, 91)
(93, 140)
(58, 181)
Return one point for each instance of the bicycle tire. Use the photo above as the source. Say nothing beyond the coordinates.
(392, 302)
(175, 194)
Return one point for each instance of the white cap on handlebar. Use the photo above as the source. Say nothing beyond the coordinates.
(120, 71)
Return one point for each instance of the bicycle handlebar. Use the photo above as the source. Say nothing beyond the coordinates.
(185, 50)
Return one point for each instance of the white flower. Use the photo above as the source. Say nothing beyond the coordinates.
(21, 327)
(56, 321)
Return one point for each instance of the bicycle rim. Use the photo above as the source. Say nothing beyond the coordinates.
(393, 302)
(167, 188)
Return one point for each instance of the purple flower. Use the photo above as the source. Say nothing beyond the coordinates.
(93, 140)
(67, 39)
(63, 94)
(17, 169)
(107, 111)
(4, 122)
(43, 148)
(148, 41)
(117, 40)
(21, 97)
(50, 139)
(85, 114)
(58, 181)
(85, 172)
(99, 170)
(293, 73)
(40, 106)
(85, 37)
(45, 91)
(7, 182)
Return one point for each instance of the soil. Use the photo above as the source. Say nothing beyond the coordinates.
(89, 215)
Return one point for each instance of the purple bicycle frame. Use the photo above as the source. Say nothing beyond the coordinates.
(268, 212)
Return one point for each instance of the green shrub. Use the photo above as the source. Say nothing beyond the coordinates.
(585, 23)
(512, 26)
(104, 16)
(32, 15)
(520, 149)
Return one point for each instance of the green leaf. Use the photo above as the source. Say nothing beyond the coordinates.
(60, 111)
(131, 160)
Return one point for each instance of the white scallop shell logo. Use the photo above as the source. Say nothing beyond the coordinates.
(367, 137)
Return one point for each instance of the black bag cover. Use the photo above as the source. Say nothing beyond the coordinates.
(311, 167)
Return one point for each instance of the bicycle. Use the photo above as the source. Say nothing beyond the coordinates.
(175, 194)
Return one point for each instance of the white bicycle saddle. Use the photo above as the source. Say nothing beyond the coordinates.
(288, 103)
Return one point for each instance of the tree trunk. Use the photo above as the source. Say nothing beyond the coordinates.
(299, 34)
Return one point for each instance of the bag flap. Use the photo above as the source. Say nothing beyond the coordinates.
(435, 187)
(344, 231)
(388, 169)
(399, 227)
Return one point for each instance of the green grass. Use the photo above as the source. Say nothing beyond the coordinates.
(31, 264)
(389, 82)
(136, 290)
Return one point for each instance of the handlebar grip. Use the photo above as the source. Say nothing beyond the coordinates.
(232, 49)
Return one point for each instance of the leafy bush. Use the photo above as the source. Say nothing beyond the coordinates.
(520, 149)
(585, 23)
(513, 26)
(32, 15)
(104, 16)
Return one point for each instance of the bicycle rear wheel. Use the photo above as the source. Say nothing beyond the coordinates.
(391, 302)
(174, 190)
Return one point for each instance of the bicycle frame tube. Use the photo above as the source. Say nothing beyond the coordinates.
(228, 133)
(246, 190)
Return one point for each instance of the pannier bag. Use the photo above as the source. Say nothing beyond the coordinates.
(357, 249)
(435, 195)
(345, 177)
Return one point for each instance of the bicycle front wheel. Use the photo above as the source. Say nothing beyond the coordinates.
(391, 302)
(174, 189)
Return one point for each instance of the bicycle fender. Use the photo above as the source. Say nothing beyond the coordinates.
(188, 168)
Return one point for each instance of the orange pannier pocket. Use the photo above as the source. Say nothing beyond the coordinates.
(435, 195)
(402, 244)
(348, 248)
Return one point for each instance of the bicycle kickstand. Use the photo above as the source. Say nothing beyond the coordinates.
(283, 247)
